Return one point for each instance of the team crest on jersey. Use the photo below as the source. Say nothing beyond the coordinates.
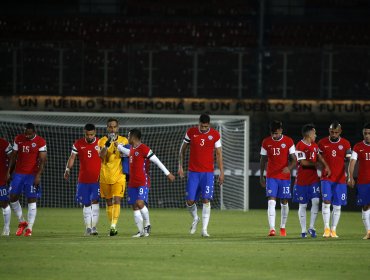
(33, 145)
(136, 154)
(283, 145)
(210, 137)
(340, 147)
(97, 148)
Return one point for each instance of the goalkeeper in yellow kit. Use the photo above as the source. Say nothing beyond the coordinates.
(112, 179)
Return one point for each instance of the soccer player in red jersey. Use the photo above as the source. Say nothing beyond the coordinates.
(361, 154)
(5, 154)
(29, 158)
(278, 151)
(335, 150)
(203, 141)
(88, 189)
(140, 156)
(307, 184)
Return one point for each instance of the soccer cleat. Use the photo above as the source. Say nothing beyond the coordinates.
(6, 232)
(312, 232)
(282, 232)
(333, 234)
(28, 232)
(304, 234)
(205, 234)
(194, 224)
(147, 230)
(21, 227)
(94, 231)
(88, 231)
(326, 233)
(138, 235)
(367, 236)
(113, 231)
(272, 232)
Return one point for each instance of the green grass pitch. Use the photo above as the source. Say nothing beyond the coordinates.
(237, 249)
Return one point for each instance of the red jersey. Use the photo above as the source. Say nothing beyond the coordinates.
(28, 153)
(361, 153)
(5, 150)
(90, 162)
(306, 176)
(334, 154)
(139, 166)
(202, 147)
(277, 152)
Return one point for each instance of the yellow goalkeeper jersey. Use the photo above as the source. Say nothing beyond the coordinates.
(111, 168)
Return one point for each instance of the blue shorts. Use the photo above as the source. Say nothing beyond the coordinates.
(87, 192)
(363, 194)
(336, 193)
(278, 188)
(4, 192)
(23, 183)
(303, 194)
(139, 193)
(200, 183)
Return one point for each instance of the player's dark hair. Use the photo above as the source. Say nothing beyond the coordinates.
(275, 125)
(29, 126)
(307, 128)
(89, 127)
(112, 120)
(204, 118)
(366, 126)
(136, 133)
(335, 125)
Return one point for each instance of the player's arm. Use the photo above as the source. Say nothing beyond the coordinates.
(42, 163)
(104, 148)
(351, 168)
(9, 154)
(124, 150)
(292, 160)
(305, 163)
(13, 157)
(153, 158)
(69, 165)
(220, 165)
(183, 148)
(321, 159)
(263, 161)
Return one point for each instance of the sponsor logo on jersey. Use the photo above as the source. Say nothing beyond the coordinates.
(340, 147)
(283, 145)
(83, 148)
(33, 145)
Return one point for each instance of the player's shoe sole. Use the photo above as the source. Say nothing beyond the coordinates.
(272, 232)
(333, 234)
(194, 225)
(326, 233)
(312, 232)
(21, 227)
(28, 232)
(282, 232)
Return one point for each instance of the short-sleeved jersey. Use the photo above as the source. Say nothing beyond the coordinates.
(139, 166)
(306, 176)
(202, 147)
(90, 162)
(28, 153)
(5, 150)
(111, 168)
(277, 152)
(361, 153)
(334, 154)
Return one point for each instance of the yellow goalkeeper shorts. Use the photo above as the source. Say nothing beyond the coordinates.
(108, 191)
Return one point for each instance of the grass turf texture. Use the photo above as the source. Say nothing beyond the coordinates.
(237, 249)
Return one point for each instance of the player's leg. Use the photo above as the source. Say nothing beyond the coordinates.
(363, 199)
(83, 197)
(132, 195)
(300, 196)
(4, 203)
(206, 185)
(326, 190)
(314, 195)
(272, 189)
(284, 194)
(106, 192)
(16, 189)
(32, 195)
(141, 202)
(192, 195)
(118, 190)
(339, 198)
(95, 210)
